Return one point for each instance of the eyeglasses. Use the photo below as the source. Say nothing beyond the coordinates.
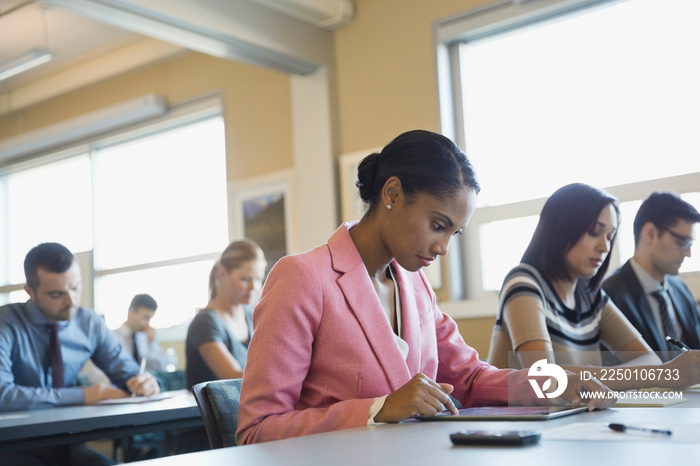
(685, 242)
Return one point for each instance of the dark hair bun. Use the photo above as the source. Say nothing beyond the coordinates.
(366, 175)
(424, 161)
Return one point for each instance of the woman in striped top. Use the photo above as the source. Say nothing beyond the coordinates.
(552, 305)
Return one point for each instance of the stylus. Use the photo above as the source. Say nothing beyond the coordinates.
(625, 428)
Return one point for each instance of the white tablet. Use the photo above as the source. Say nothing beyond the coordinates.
(505, 413)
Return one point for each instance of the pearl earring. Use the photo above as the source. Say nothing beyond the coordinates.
(388, 206)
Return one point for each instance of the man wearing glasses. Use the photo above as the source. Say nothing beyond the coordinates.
(647, 289)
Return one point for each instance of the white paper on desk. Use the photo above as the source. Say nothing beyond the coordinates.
(599, 431)
(138, 399)
(648, 402)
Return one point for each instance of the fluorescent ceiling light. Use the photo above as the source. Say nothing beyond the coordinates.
(24, 62)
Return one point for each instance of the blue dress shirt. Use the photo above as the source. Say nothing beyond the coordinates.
(25, 373)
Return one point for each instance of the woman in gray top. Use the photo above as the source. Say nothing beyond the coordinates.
(217, 339)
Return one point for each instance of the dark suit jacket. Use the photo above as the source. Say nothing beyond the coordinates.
(627, 294)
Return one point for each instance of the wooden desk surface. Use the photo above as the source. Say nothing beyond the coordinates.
(428, 443)
(22, 429)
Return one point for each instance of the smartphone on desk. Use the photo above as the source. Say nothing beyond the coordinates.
(495, 437)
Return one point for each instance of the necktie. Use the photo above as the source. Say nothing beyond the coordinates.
(136, 348)
(668, 327)
(56, 357)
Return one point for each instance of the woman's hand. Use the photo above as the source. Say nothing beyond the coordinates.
(682, 371)
(420, 395)
(591, 392)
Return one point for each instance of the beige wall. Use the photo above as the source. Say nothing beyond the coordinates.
(387, 84)
(257, 106)
(477, 332)
(385, 64)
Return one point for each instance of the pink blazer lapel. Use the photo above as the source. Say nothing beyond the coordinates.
(363, 302)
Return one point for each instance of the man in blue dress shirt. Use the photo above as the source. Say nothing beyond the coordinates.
(30, 378)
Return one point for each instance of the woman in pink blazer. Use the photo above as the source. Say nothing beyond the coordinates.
(349, 333)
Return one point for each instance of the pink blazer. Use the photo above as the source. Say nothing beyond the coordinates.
(323, 349)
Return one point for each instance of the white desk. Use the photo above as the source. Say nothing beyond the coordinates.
(428, 443)
(72, 424)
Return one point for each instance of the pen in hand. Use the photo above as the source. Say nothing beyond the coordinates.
(624, 428)
(142, 370)
(677, 343)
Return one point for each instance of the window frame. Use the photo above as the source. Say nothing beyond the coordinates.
(465, 296)
(179, 115)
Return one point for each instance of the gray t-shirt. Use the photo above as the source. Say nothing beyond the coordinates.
(207, 326)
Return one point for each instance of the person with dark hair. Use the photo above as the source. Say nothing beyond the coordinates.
(552, 305)
(137, 336)
(217, 340)
(349, 334)
(647, 288)
(45, 342)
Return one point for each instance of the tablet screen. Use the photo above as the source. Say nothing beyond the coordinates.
(500, 413)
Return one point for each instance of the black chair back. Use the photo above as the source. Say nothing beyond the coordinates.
(218, 403)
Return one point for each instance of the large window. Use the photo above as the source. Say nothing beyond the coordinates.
(545, 93)
(160, 199)
(41, 202)
(145, 211)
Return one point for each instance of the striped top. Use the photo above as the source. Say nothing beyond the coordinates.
(575, 334)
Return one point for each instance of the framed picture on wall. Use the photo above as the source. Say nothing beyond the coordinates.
(261, 211)
(352, 206)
